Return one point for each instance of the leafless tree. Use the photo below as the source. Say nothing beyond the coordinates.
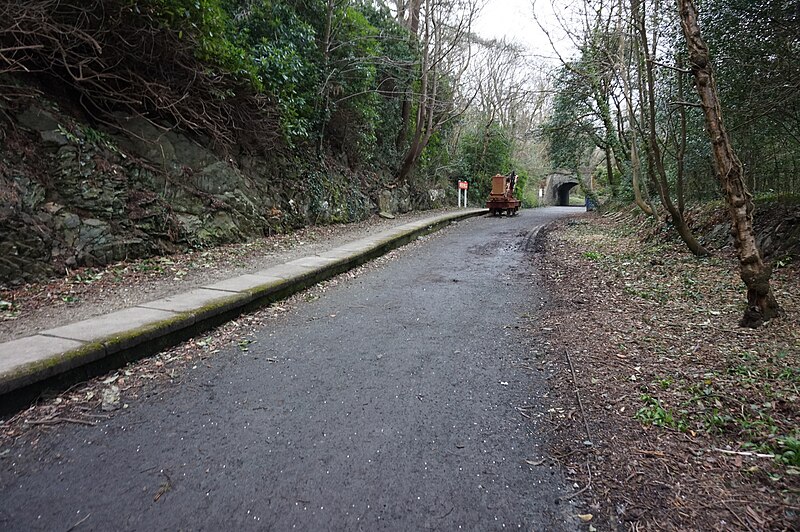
(761, 302)
(648, 37)
(442, 29)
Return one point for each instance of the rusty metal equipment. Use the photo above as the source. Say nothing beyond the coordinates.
(501, 198)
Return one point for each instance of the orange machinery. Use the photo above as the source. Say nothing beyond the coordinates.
(501, 198)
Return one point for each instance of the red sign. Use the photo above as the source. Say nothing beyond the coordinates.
(463, 185)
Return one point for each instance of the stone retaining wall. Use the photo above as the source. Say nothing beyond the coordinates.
(72, 195)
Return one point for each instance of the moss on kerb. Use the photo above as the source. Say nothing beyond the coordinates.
(133, 337)
(183, 320)
(221, 305)
(232, 300)
(265, 289)
(47, 367)
(216, 306)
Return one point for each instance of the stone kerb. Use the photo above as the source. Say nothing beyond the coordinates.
(75, 351)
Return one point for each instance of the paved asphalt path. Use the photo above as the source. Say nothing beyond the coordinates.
(392, 406)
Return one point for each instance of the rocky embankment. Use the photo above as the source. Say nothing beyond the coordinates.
(72, 195)
(776, 222)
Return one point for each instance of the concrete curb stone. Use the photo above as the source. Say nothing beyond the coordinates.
(78, 350)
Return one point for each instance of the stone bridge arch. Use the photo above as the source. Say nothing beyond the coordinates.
(557, 188)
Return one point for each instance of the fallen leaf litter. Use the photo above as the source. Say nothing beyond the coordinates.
(679, 400)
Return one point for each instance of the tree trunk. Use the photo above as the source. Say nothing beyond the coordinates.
(635, 166)
(412, 9)
(400, 5)
(610, 172)
(405, 115)
(681, 152)
(761, 303)
(410, 159)
(611, 139)
(655, 160)
(636, 172)
(326, 55)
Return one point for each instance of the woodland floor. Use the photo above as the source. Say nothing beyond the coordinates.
(684, 420)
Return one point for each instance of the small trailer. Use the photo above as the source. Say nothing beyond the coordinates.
(501, 198)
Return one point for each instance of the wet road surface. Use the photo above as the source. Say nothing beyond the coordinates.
(389, 403)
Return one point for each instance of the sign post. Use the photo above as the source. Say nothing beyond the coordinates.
(462, 185)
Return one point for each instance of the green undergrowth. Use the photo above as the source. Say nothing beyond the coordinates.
(691, 367)
(750, 400)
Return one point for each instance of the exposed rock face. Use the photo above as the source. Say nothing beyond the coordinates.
(71, 195)
(777, 227)
(395, 200)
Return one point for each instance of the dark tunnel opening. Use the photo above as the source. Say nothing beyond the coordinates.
(562, 193)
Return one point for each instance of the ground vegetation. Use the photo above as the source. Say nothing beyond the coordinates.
(666, 415)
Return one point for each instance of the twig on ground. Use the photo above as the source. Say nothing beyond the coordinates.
(744, 523)
(651, 453)
(745, 453)
(523, 413)
(76, 525)
(164, 488)
(586, 487)
(578, 395)
(635, 473)
(57, 420)
(585, 425)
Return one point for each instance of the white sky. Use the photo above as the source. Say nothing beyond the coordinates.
(514, 19)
